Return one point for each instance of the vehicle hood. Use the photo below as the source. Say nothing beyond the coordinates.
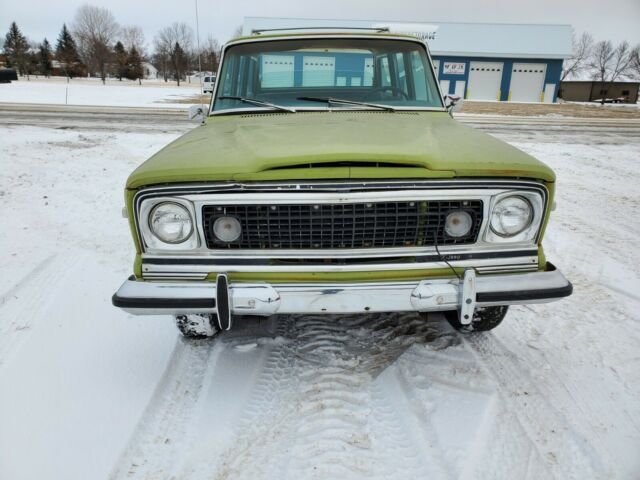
(338, 144)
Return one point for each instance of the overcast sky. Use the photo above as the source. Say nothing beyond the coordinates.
(606, 19)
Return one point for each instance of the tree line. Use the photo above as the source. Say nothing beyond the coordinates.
(601, 61)
(95, 44)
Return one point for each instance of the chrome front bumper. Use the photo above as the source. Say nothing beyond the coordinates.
(264, 299)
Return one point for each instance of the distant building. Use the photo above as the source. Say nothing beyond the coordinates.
(149, 71)
(478, 61)
(594, 91)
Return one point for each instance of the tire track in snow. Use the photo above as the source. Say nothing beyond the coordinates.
(29, 300)
(160, 436)
(567, 454)
(316, 410)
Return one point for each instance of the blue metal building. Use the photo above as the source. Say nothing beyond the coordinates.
(478, 61)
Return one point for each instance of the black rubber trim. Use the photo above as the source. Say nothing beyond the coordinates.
(168, 303)
(224, 308)
(320, 261)
(525, 295)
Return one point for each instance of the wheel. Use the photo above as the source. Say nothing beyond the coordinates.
(197, 326)
(484, 319)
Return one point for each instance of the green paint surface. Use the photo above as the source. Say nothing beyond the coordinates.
(315, 145)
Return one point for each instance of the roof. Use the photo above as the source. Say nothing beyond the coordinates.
(503, 40)
(616, 82)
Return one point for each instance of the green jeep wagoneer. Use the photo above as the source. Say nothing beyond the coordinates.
(329, 177)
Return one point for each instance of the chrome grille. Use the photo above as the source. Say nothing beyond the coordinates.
(342, 225)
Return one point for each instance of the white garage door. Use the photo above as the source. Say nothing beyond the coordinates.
(527, 82)
(484, 81)
(444, 86)
(319, 72)
(277, 71)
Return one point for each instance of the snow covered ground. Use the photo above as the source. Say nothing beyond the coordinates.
(57, 91)
(89, 392)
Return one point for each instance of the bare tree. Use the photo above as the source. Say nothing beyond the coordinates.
(166, 54)
(581, 53)
(237, 32)
(94, 29)
(609, 64)
(210, 52)
(132, 36)
(635, 63)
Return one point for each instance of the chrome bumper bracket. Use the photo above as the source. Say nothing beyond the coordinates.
(467, 297)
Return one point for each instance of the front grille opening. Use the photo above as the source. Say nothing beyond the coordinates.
(342, 226)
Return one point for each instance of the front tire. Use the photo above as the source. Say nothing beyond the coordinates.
(197, 326)
(484, 319)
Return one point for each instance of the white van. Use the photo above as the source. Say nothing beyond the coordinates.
(209, 82)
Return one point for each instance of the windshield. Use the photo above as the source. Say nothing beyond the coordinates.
(394, 73)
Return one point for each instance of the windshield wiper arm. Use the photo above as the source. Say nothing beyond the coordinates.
(260, 103)
(330, 100)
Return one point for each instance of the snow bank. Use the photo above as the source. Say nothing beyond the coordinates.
(93, 92)
(87, 391)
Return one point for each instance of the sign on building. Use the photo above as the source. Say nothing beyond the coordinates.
(454, 68)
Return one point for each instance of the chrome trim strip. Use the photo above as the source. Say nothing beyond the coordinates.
(182, 268)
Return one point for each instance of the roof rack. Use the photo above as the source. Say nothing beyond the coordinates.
(259, 31)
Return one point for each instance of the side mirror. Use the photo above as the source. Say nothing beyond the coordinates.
(453, 103)
(197, 113)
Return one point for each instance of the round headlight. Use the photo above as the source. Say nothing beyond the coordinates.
(511, 215)
(170, 222)
(227, 229)
(458, 224)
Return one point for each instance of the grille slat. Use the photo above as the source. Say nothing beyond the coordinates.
(344, 225)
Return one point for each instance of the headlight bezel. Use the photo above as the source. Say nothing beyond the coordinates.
(529, 234)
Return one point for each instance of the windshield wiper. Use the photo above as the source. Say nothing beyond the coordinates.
(330, 100)
(260, 103)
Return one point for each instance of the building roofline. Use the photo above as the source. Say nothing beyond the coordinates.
(539, 56)
(432, 22)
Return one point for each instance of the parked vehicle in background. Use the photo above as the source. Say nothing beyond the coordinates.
(329, 178)
(209, 83)
(7, 75)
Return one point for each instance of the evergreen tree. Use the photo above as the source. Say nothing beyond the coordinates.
(179, 61)
(67, 53)
(16, 49)
(134, 65)
(44, 58)
(120, 57)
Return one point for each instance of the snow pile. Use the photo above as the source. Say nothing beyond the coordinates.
(93, 92)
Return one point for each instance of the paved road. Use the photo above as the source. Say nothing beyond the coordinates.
(170, 120)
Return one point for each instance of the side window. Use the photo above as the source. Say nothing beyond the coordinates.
(385, 71)
(368, 72)
(419, 76)
(402, 74)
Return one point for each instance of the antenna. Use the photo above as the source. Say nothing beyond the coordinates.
(199, 61)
